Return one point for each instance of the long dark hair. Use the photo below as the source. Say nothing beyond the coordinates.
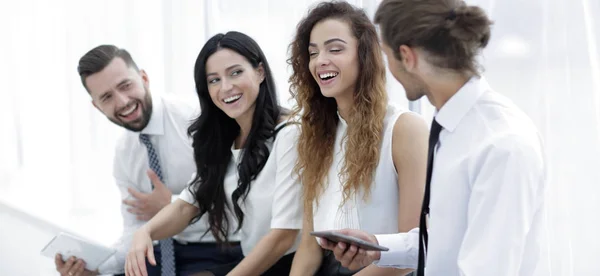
(214, 132)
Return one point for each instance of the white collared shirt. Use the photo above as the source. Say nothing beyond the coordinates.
(487, 192)
(167, 129)
(274, 200)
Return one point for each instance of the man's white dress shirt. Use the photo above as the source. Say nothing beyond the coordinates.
(487, 192)
(167, 129)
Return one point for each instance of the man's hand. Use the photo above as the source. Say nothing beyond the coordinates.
(145, 206)
(72, 267)
(351, 256)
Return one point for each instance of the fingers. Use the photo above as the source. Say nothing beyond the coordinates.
(127, 266)
(339, 250)
(143, 217)
(345, 254)
(136, 194)
(133, 203)
(326, 244)
(58, 262)
(68, 265)
(155, 179)
(346, 232)
(151, 257)
(77, 269)
(140, 263)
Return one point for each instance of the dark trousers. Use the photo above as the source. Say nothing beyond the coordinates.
(281, 267)
(195, 257)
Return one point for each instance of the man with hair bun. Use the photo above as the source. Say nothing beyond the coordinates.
(486, 171)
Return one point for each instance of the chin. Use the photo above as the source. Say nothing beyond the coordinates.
(330, 93)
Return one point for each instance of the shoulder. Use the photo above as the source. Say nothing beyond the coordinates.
(180, 107)
(518, 146)
(409, 125)
(508, 130)
(125, 142)
(287, 129)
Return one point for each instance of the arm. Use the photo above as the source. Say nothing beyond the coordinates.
(506, 192)
(171, 220)
(409, 152)
(286, 210)
(168, 222)
(267, 252)
(309, 255)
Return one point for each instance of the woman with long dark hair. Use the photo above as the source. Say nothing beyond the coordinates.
(245, 151)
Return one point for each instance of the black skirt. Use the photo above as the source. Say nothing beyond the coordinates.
(281, 267)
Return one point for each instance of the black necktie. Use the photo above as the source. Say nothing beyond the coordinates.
(434, 136)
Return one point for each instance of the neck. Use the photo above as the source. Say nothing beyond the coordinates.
(443, 86)
(245, 123)
(344, 104)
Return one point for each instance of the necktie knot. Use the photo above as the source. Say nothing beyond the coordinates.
(145, 139)
(434, 133)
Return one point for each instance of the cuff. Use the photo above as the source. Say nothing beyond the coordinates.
(404, 250)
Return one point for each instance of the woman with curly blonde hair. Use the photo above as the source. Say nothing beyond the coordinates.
(360, 158)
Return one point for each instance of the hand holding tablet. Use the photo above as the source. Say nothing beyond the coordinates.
(71, 246)
(337, 237)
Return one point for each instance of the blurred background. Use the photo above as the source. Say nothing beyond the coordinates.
(56, 150)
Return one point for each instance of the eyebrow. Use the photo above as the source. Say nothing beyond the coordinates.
(227, 69)
(328, 41)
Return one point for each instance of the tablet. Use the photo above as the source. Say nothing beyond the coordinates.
(338, 237)
(68, 245)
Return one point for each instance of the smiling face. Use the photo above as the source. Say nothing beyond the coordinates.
(121, 93)
(233, 83)
(333, 58)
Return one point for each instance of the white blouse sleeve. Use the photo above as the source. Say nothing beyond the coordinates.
(287, 200)
(186, 195)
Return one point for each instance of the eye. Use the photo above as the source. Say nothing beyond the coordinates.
(236, 72)
(106, 98)
(335, 50)
(213, 81)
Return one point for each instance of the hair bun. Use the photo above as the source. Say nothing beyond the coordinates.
(469, 24)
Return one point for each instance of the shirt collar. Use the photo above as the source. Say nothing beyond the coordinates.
(156, 124)
(452, 112)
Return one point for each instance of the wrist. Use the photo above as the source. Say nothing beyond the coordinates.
(146, 229)
(377, 254)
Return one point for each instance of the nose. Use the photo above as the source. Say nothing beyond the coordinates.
(121, 99)
(226, 85)
(322, 60)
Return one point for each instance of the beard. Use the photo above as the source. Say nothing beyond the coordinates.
(141, 123)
